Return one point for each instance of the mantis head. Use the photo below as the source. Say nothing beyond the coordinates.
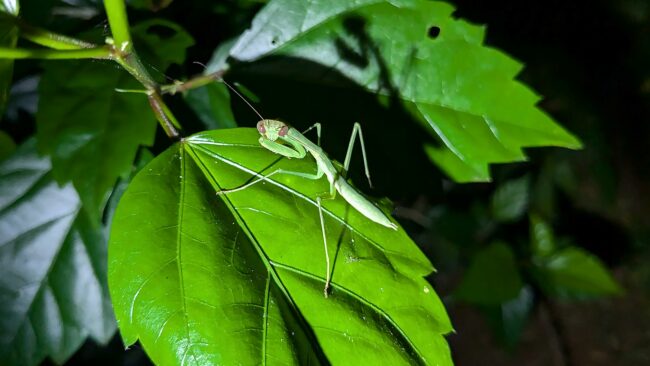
(272, 129)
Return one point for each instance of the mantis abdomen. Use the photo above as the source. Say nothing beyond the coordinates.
(361, 204)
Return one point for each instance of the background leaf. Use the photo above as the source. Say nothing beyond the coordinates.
(239, 278)
(211, 103)
(462, 92)
(541, 238)
(574, 273)
(53, 290)
(7, 145)
(8, 38)
(161, 43)
(153, 5)
(91, 131)
(510, 200)
(492, 277)
(509, 319)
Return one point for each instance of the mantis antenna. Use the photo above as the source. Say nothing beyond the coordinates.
(242, 98)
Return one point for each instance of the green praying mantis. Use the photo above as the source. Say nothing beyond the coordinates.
(282, 139)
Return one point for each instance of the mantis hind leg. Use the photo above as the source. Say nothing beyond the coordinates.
(356, 130)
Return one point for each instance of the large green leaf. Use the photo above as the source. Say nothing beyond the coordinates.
(238, 279)
(8, 38)
(53, 289)
(462, 91)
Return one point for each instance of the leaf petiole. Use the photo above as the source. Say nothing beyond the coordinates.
(56, 54)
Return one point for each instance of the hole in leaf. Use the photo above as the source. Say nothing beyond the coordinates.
(433, 32)
(274, 41)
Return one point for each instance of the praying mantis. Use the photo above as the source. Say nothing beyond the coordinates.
(280, 138)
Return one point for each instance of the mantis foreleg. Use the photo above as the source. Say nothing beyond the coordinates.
(315, 176)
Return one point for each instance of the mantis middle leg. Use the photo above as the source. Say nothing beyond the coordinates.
(348, 156)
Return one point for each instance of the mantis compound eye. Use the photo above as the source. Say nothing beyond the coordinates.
(283, 131)
(260, 127)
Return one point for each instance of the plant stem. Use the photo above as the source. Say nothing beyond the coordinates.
(124, 54)
(49, 54)
(195, 82)
(52, 40)
(117, 19)
(164, 115)
(44, 37)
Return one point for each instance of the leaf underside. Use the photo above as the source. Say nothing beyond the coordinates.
(53, 288)
(238, 279)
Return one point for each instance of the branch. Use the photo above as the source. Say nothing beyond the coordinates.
(49, 54)
(164, 115)
(52, 40)
(195, 82)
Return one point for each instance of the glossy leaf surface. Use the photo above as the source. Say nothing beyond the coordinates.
(53, 289)
(462, 91)
(238, 279)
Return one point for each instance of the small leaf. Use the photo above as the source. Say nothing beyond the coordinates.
(510, 200)
(492, 277)
(574, 273)
(238, 278)
(462, 91)
(53, 291)
(211, 103)
(542, 240)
